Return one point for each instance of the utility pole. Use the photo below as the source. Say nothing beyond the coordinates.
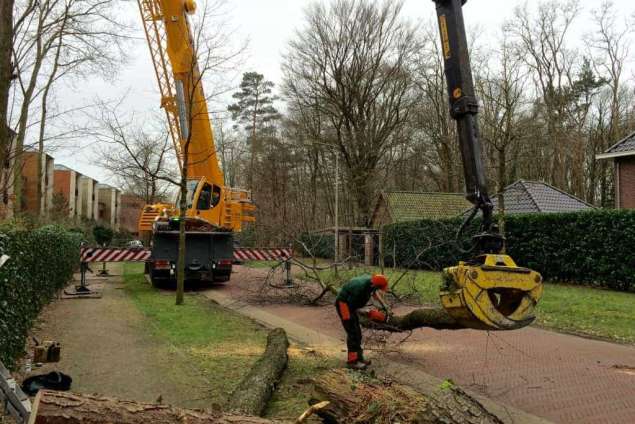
(337, 190)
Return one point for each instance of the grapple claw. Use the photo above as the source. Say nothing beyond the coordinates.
(491, 293)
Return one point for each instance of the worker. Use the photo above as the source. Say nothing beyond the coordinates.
(355, 295)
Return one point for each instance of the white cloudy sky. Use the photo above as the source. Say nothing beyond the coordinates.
(268, 25)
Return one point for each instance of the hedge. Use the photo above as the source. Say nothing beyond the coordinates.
(41, 262)
(587, 248)
(316, 245)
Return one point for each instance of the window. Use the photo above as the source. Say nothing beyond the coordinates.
(205, 198)
(191, 191)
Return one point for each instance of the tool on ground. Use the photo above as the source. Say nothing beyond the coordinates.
(377, 316)
(53, 380)
(13, 401)
(46, 351)
(489, 291)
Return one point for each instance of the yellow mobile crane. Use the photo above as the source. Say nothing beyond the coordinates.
(214, 211)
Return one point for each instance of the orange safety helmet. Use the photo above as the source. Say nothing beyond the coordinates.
(379, 281)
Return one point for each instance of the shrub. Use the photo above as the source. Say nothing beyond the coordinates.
(591, 248)
(316, 245)
(41, 263)
(103, 235)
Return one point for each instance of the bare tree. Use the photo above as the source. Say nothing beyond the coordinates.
(6, 75)
(154, 157)
(502, 119)
(541, 41)
(435, 133)
(352, 61)
(53, 39)
(610, 42)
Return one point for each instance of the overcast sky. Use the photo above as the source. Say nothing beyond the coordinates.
(268, 25)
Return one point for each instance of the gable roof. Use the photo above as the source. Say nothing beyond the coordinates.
(409, 205)
(624, 147)
(538, 197)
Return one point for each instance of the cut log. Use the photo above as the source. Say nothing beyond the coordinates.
(52, 407)
(255, 390)
(436, 318)
(357, 398)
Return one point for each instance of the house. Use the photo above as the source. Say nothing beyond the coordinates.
(66, 184)
(30, 176)
(623, 155)
(538, 197)
(109, 206)
(401, 206)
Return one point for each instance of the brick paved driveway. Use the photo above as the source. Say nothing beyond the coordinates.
(563, 378)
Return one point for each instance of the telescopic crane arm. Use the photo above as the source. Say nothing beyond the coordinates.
(464, 109)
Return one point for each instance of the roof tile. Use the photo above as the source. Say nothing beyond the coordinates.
(409, 206)
(537, 197)
(627, 144)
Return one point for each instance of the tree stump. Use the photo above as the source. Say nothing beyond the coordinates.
(356, 397)
(255, 390)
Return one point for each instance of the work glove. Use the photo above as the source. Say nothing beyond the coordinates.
(377, 316)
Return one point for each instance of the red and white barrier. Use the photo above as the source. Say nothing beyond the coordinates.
(266, 254)
(107, 254)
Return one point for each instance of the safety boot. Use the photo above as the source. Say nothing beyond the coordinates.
(357, 365)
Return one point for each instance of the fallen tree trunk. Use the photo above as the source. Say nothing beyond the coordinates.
(52, 407)
(355, 397)
(255, 390)
(436, 318)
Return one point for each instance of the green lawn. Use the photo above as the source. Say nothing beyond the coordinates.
(221, 343)
(585, 311)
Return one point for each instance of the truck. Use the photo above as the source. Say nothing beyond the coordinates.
(214, 212)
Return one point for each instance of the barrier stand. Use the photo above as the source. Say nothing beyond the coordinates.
(82, 291)
(288, 277)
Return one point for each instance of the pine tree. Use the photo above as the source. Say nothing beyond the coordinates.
(255, 113)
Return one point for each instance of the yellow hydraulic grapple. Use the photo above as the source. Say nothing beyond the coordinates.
(491, 293)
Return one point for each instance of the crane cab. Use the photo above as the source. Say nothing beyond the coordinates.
(205, 201)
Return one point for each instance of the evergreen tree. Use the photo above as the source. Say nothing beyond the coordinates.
(255, 113)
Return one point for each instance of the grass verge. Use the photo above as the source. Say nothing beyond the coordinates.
(221, 344)
(579, 310)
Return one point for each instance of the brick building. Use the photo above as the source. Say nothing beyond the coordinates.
(67, 185)
(108, 205)
(89, 194)
(623, 155)
(130, 211)
(30, 176)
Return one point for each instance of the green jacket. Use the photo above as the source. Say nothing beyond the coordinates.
(356, 292)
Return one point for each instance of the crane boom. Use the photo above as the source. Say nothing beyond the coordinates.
(174, 56)
(464, 104)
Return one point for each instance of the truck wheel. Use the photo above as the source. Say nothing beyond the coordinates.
(221, 278)
(157, 283)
